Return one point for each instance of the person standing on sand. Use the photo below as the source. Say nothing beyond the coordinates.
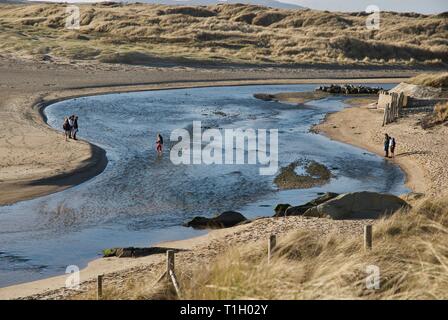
(392, 146)
(71, 124)
(159, 143)
(67, 129)
(386, 145)
(75, 127)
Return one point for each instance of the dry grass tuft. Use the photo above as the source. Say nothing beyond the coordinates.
(410, 248)
(441, 112)
(437, 80)
(438, 117)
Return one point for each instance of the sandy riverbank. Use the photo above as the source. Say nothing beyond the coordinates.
(420, 153)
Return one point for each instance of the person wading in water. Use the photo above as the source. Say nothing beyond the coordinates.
(386, 145)
(159, 143)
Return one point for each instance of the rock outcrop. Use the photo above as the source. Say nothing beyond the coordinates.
(280, 209)
(349, 89)
(131, 252)
(300, 210)
(357, 205)
(224, 220)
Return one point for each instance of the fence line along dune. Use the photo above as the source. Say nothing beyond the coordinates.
(409, 248)
(232, 33)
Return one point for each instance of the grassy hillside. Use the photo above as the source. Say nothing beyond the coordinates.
(141, 33)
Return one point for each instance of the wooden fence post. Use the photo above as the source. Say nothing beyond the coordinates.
(368, 237)
(385, 114)
(99, 284)
(400, 103)
(175, 283)
(271, 246)
(169, 262)
(170, 271)
(393, 107)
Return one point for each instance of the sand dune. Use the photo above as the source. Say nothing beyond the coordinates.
(223, 33)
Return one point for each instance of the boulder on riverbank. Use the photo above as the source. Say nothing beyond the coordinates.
(280, 209)
(224, 220)
(357, 205)
(300, 210)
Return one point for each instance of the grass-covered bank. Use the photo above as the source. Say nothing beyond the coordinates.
(410, 248)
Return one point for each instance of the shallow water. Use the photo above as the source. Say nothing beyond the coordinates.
(141, 199)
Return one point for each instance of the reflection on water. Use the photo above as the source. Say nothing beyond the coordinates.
(141, 198)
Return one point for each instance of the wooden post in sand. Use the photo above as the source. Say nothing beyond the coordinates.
(271, 246)
(175, 283)
(170, 271)
(169, 262)
(368, 237)
(400, 103)
(99, 291)
(386, 113)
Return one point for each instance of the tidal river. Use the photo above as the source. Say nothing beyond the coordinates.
(141, 199)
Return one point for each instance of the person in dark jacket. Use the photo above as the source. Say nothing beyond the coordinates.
(386, 145)
(75, 127)
(67, 128)
(159, 143)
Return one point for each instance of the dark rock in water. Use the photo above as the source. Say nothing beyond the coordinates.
(300, 210)
(280, 209)
(124, 252)
(349, 89)
(316, 174)
(357, 205)
(224, 220)
(265, 96)
(132, 252)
